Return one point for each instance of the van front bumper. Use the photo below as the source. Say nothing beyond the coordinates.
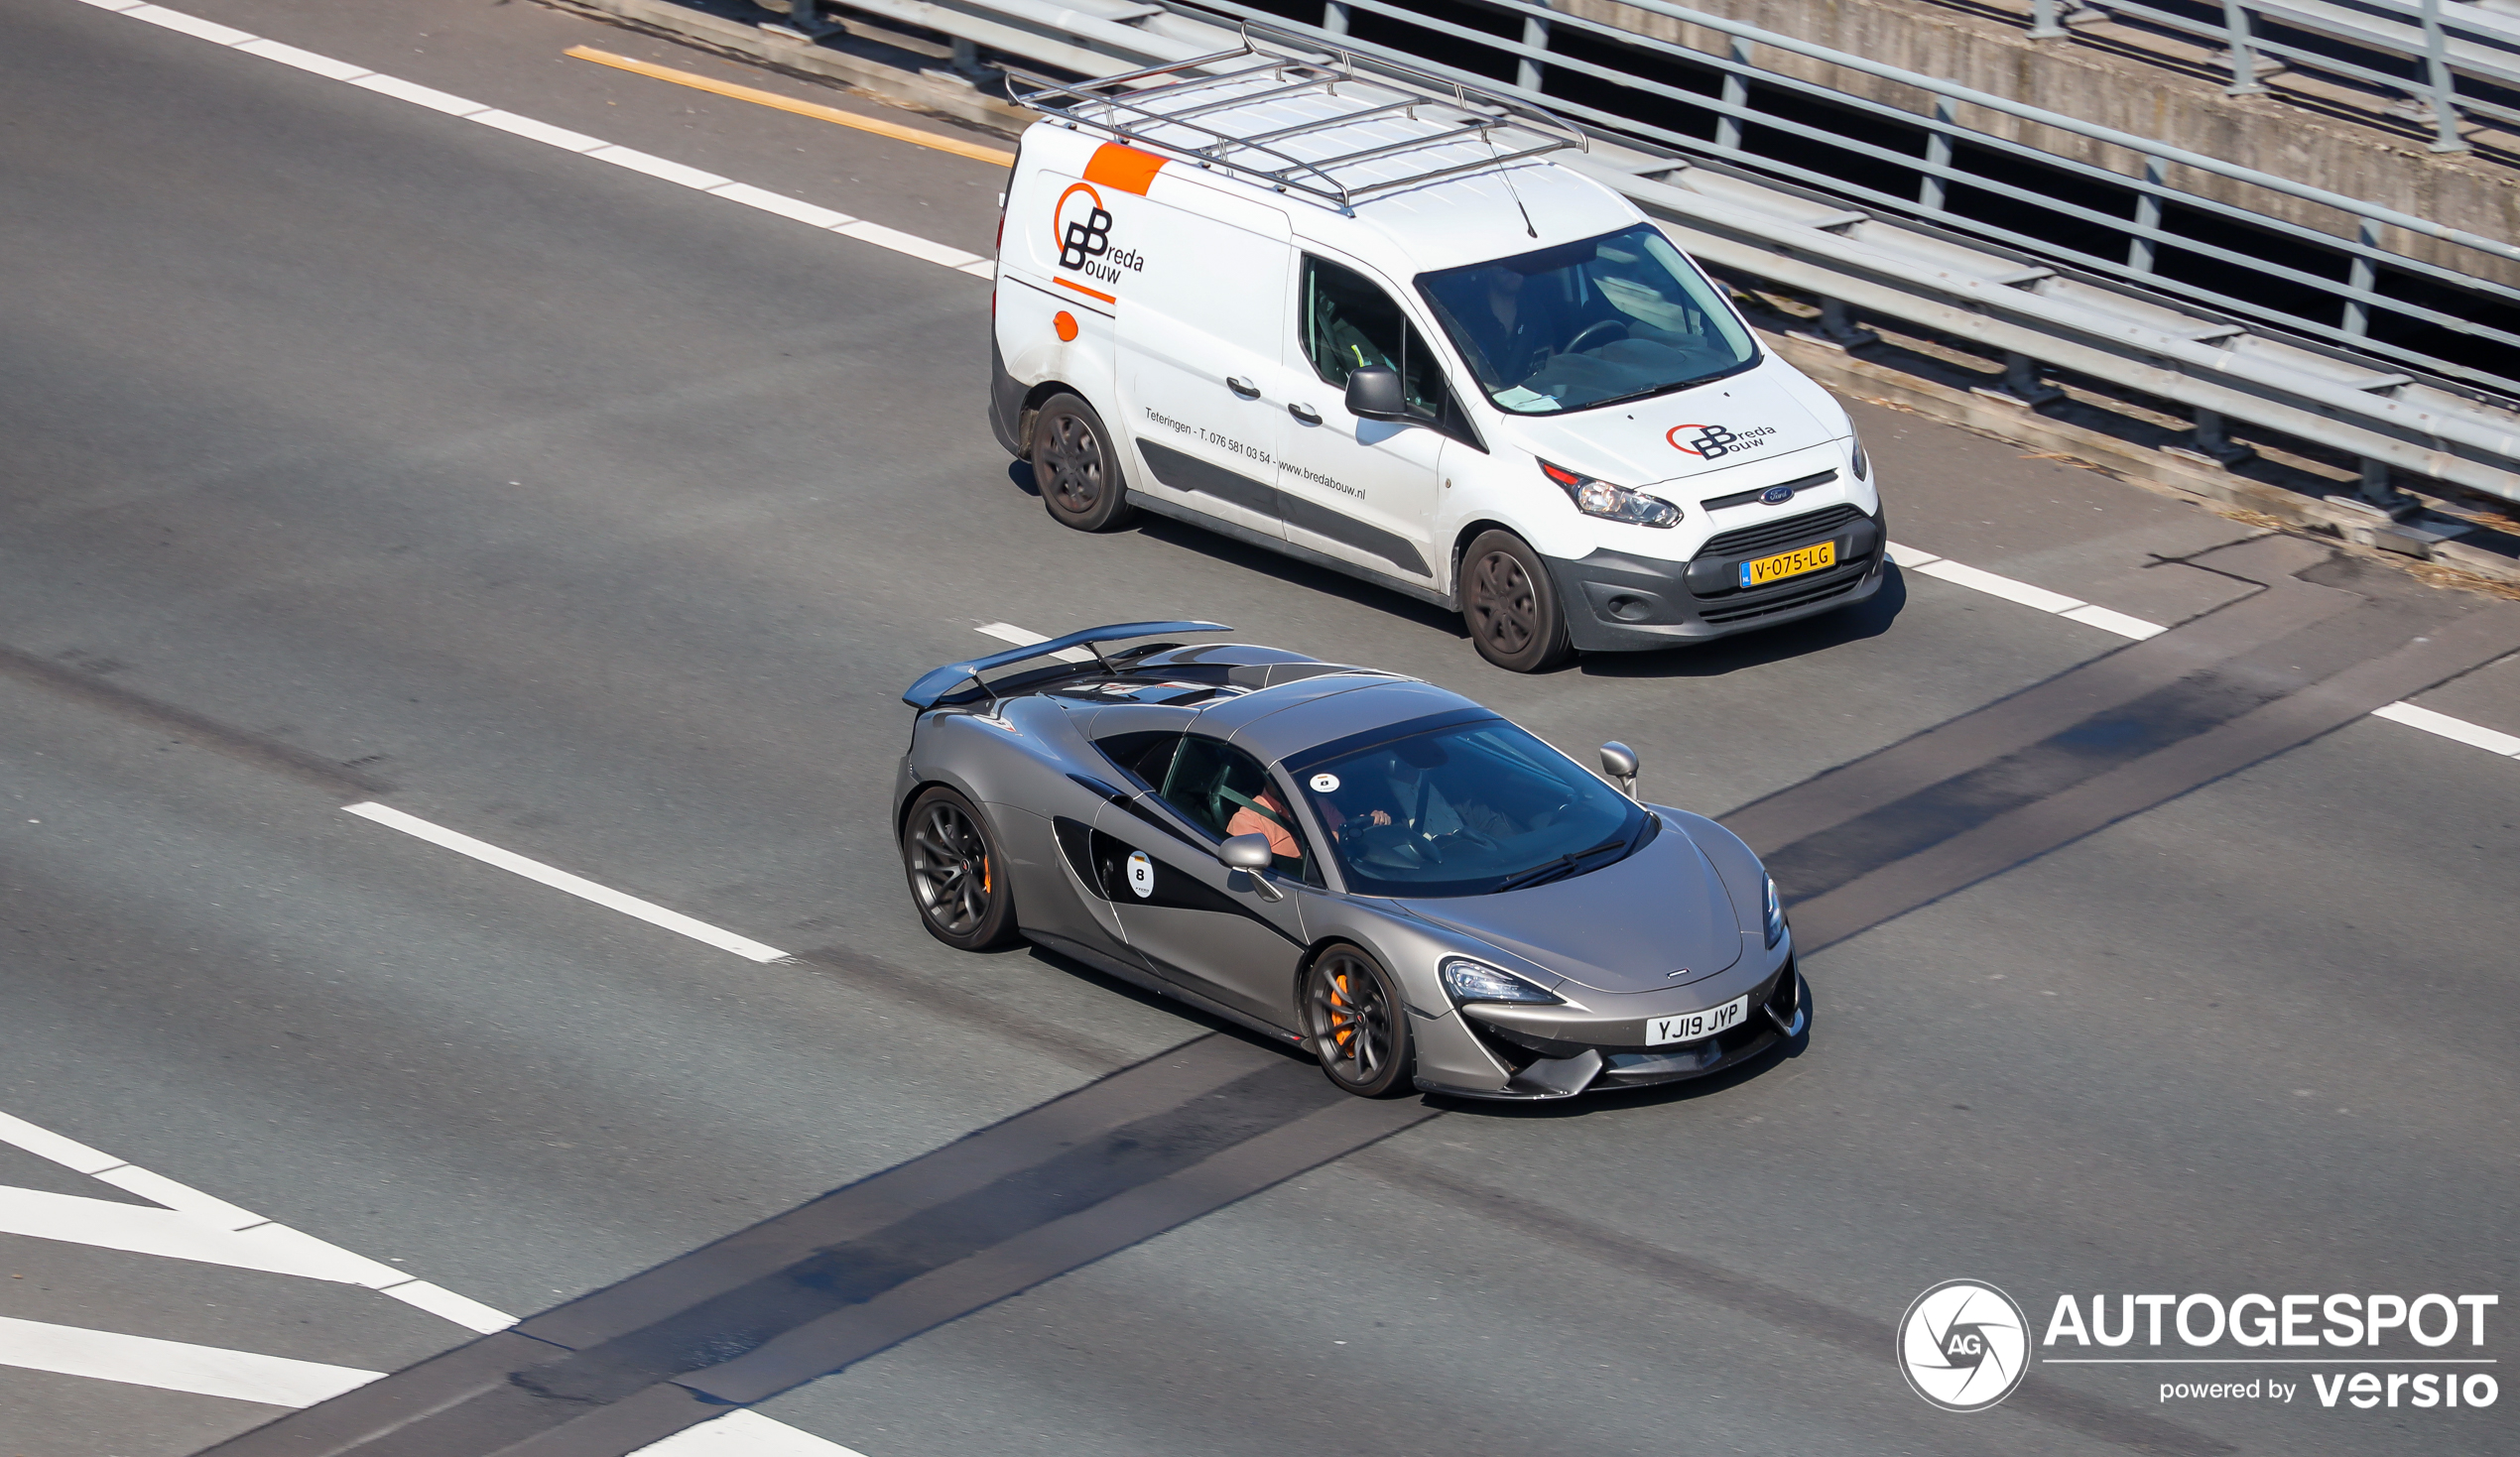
(1618, 603)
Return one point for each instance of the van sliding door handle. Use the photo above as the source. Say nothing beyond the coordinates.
(1305, 412)
(1244, 387)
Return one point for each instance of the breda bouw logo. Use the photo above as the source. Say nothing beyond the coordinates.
(1964, 1345)
(1709, 442)
(1082, 226)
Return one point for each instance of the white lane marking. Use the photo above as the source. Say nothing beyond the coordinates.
(744, 1433)
(52, 1147)
(909, 245)
(658, 167)
(2109, 620)
(171, 1234)
(445, 1304)
(1007, 632)
(1926, 563)
(560, 880)
(2475, 734)
(182, 1198)
(173, 1365)
(538, 131)
(2000, 586)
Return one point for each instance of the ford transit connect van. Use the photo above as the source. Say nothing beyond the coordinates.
(1362, 319)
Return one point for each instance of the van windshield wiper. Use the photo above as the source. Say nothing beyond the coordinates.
(1558, 869)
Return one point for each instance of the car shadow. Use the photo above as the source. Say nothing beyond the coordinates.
(1228, 552)
(1869, 618)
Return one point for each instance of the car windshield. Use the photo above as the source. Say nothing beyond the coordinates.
(1580, 324)
(1465, 810)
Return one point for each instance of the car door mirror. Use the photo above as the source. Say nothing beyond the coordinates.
(1246, 852)
(1618, 761)
(1373, 393)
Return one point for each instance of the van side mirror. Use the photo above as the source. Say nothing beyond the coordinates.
(1373, 393)
(1618, 761)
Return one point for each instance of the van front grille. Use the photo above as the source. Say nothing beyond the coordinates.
(1769, 535)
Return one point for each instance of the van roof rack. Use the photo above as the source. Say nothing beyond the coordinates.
(1127, 107)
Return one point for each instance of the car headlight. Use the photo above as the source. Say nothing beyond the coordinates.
(1476, 981)
(1775, 915)
(1609, 502)
(1861, 462)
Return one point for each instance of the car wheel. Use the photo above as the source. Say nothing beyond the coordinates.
(956, 874)
(1511, 606)
(1354, 1018)
(1075, 463)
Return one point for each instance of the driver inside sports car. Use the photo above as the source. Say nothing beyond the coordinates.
(1403, 792)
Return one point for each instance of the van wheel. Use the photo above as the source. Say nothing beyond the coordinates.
(1511, 606)
(1075, 462)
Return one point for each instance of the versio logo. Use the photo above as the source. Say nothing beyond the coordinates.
(1964, 1345)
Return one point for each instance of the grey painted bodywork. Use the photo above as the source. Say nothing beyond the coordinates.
(1675, 927)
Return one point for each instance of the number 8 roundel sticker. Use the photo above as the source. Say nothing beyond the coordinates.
(1141, 874)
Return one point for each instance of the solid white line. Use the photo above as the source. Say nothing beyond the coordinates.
(1007, 632)
(169, 1233)
(173, 1365)
(445, 1304)
(783, 205)
(2113, 622)
(182, 1198)
(910, 243)
(322, 65)
(2000, 586)
(2476, 734)
(418, 95)
(658, 167)
(1909, 556)
(538, 131)
(48, 1144)
(560, 880)
(190, 25)
(744, 1433)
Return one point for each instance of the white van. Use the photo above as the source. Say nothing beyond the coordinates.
(1358, 317)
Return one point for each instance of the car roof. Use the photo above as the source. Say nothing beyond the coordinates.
(1282, 722)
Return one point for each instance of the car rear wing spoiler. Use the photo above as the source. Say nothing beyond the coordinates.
(935, 683)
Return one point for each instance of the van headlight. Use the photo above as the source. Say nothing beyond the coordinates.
(1476, 981)
(1860, 461)
(1775, 915)
(1609, 502)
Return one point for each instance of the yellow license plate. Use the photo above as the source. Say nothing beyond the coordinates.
(1788, 563)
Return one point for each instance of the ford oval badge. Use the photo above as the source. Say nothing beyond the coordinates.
(1776, 495)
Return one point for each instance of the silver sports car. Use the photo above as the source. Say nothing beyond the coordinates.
(1354, 862)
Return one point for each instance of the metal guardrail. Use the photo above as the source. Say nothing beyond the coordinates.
(2450, 60)
(2133, 321)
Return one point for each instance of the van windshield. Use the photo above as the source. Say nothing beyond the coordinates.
(1610, 318)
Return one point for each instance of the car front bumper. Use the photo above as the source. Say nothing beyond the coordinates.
(1549, 1067)
(1616, 602)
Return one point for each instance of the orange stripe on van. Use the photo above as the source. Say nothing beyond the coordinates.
(1088, 293)
(1124, 168)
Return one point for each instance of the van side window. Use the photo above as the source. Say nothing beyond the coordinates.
(1350, 322)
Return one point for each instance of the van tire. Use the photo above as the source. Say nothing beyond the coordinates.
(1510, 605)
(1076, 465)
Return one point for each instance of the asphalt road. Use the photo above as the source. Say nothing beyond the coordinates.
(352, 451)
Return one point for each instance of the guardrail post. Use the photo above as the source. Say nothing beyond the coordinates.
(2360, 278)
(2139, 247)
(2445, 133)
(804, 23)
(1838, 330)
(2210, 443)
(2023, 385)
(1536, 35)
(1335, 18)
(1938, 152)
(2241, 48)
(2043, 21)
(1736, 94)
(2379, 491)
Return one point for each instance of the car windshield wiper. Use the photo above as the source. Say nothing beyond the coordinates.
(1558, 869)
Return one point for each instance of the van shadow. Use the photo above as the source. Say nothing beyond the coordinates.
(1869, 618)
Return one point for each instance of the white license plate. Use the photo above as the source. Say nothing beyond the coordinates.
(1689, 1026)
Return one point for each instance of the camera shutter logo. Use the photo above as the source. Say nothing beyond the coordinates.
(1964, 1345)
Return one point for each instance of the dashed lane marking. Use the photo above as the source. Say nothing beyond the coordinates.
(173, 1365)
(706, 182)
(560, 880)
(2108, 620)
(833, 114)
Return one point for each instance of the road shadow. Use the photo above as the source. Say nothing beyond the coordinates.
(1869, 618)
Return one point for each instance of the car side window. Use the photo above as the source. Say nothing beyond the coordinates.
(1350, 322)
(1226, 792)
(1144, 757)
